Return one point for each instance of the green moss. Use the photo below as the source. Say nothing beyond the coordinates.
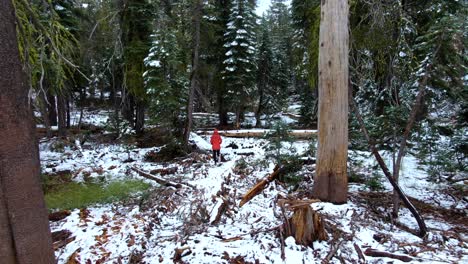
(76, 195)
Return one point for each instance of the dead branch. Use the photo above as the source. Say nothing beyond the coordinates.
(283, 255)
(160, 180)
(359, 252)
(331, 254)
(260, 186)
(375, 253)
(386, 171)
(254, 232)
(221, 210)
(179, 253)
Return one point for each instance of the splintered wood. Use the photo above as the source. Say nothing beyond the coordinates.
(305, 225)
(260, 186)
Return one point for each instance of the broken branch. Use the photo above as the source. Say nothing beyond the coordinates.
(260, 186)
(375, 253)
(159, 179)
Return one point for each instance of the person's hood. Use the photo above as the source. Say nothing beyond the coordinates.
(215, 131)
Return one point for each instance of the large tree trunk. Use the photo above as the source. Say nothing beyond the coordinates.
(197, 9)
(331, 181)
(24, 228)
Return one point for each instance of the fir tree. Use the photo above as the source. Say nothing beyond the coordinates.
(240, 66)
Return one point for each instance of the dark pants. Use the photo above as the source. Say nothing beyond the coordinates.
(216, 155)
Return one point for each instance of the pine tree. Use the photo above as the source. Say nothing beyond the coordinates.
(240, 67)
(265, 90)
(166, 78)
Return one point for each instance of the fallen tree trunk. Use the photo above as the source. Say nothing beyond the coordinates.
(375, 253)
(299, 134)
(159, 179)
(260, 186)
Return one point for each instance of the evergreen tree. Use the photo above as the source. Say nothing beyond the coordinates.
(305, 22)
(240, 67)
(265, 90)
(136, 16)
(166, 78)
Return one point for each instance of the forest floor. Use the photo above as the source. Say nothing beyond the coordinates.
(183, 224)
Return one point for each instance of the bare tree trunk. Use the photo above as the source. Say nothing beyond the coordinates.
(128, 107)
(259, 111)
(140, 116)
(197, 8)
(24, 227)
(331, 180)
(44, 113)
(51, 109)
(62, 115)
(67, 105)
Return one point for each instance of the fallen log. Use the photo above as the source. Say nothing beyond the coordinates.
(299, 134)
(260, 186)
(375, 253)
(164, 171)
(160, 180)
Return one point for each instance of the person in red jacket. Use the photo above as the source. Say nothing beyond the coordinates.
(216, 144)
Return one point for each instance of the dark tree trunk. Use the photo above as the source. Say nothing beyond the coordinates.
(45, 113)
(259, 111)
(223, 116)
(140, 116)
(197, 13)
(68, 114)
(51, 109)
(24, 227)
(128, 107)
(62, 115)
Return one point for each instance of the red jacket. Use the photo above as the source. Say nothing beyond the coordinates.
(216, 140)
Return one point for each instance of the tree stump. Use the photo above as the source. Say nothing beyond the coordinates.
(305, 225)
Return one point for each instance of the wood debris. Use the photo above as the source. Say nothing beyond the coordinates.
(160, 180)
(375, 253)
(305, 225)
(260, 186)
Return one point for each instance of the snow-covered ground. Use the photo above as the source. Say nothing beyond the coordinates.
(180, 225)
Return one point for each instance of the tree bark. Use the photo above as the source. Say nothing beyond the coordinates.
(140, 116)
(24, 228)
(51, 109)
(62, 115)
(331, 181)
(128, 107)
(197, 8)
